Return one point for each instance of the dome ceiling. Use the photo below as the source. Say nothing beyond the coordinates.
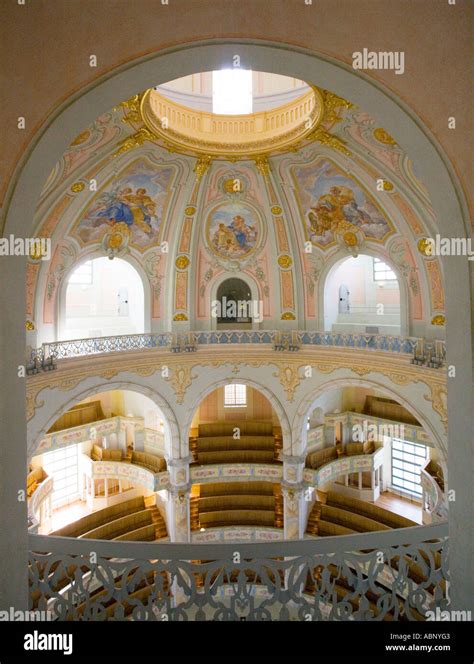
(187, 215)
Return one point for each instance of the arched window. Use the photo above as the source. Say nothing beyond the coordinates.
(102, 298)
(233, 307)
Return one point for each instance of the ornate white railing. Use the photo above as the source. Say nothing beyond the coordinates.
(396, 574)
(228, 472)
(190, 341)
(40, 499)
(121, 470)
(434, 500)
(356, 463)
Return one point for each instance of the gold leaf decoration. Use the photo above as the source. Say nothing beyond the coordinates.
(439, 319)
(182, 262)
(288, 315)
(202, 166)
(189, 210)
(289, 379)
(383, 137)
(180, 317)
(285, 261)
(276, 209)
(77, 187)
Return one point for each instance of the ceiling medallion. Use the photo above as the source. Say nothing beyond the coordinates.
(182, 262)
(276, 209)
(387, 186)
(285, 261)
(229, 137)
(190, 210)
(77, 187)
(383, 137)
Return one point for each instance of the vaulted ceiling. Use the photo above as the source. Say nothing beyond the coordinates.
(279, 196)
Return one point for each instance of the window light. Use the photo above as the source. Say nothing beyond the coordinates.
(235, 396)
(232, 91)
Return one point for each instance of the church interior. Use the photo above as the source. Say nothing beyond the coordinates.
(238, 353)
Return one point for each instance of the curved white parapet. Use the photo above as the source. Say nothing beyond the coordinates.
(121, 470)
(345, 465)
(39, 504)
(244, 472)
(238, 534)
(434, 503)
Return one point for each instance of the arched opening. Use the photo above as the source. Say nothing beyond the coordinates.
(233, 306)
(102, 298)
(362, 295)
(235, 424)
(383, 445)
(400, 121)
(94, 457)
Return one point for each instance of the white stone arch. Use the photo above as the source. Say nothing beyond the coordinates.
(338, 258)
(172, 433)
(398, 119)
(272, 398)
(60, 304)
(254, 287)
(307, 403)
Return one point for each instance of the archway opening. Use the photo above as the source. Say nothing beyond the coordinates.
(383, 451)
(102, 298)
(361, 295)
(233, 307)
(92, 462)
(235, 424)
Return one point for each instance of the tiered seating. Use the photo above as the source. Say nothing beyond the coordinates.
(343, 515)
(237, 503)
(151, 462)
(216, 444)
(129, 520)
(327, 454)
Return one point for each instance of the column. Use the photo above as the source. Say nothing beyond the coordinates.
(178, 506)
(293, 490)
(13, 456)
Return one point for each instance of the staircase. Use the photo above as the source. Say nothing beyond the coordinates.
(156, 518)
(194, 512)
(313, 519)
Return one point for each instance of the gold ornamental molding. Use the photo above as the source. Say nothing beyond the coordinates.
(209, 136)
(195, 132)
(290, 370)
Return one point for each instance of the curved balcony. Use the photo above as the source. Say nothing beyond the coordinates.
(39, 504)
(434, 501)
(122, 470)
(237, 534)
(384, 575)
(428, 353)
(199, 132)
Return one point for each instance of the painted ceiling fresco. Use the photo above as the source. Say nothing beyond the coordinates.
(133, 204)
(329, 201)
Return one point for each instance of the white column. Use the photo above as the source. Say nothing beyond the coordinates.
(178, 506)
(294, 507)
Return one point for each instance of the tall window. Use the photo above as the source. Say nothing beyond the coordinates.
(232, 91)
(235, 396)
(407, 459)
(63, 465)
(382, 272)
